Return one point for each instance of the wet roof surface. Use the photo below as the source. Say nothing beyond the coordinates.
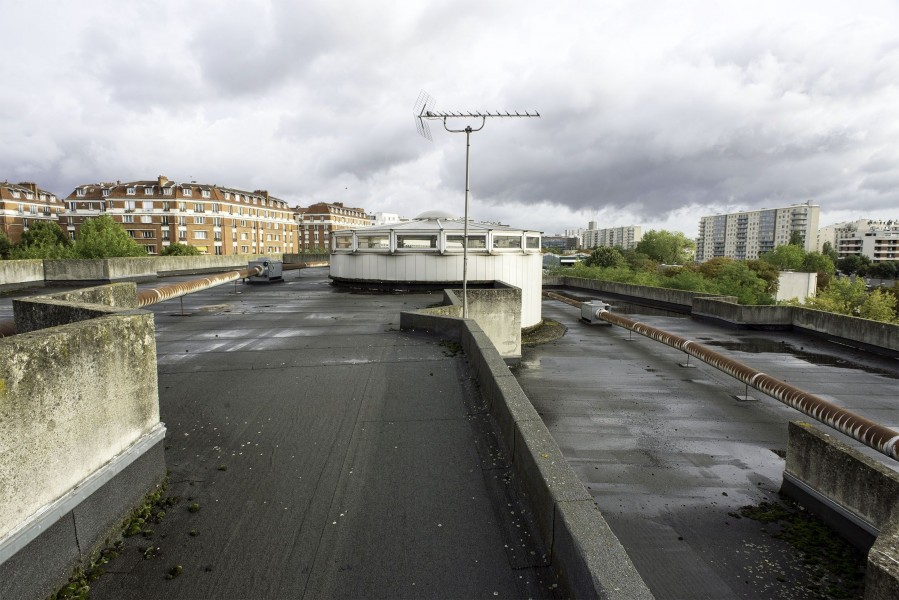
(330, 454)
(670, 454)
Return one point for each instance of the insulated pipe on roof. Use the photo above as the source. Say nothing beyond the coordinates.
(150, 296)
(876, 436)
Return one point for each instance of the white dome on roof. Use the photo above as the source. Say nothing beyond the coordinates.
(436, 214)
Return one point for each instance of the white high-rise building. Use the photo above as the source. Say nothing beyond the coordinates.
(624, 237)
(748, 235)
(876, 239)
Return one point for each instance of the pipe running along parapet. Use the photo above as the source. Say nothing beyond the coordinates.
(149, 296)
(876, 436)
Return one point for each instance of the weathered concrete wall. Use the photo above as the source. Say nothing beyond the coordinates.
(860, 484)
(79, 412)
(95, 270)
(304, 258)
(21, 273)
(139, 268)
(882, 573)
(72, 397)
(727, 310)
(39, 312)
(872, 333)
(851, 483)
(185, 265)
(586, 555)
(497, 312)
(875, 335)
(661, 296)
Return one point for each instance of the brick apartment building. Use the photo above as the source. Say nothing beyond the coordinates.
(318, 221)
(215, 220)
(22, 204)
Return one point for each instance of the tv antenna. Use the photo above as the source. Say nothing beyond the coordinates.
(424, 111)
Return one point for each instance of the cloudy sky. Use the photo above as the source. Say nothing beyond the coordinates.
(653, 113)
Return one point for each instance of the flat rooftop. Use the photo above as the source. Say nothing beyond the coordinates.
(330, 455)
(671, 453)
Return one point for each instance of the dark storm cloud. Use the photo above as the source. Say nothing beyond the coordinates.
(648, 111)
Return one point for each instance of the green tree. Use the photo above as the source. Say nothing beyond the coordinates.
(787, 257)
(886, 269)
(878, 306)
(178, 249)
(640, 262)
(711, 268)
(44, 239)
(843, 296)
(854, 264)
(797, 239)
(828, 250)
(767, 272)
(5, 246)
(102, 237)
(817, 262)
(666, 247)
(737, 279)
(605, 256)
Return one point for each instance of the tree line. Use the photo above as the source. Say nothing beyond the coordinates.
(665, 259)
(98, 237)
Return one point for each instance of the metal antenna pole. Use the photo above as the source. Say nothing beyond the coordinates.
(424, 109)
(465, 226)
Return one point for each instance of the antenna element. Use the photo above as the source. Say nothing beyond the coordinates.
(424, 111)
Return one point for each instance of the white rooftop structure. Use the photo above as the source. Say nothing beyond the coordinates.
(429, 250)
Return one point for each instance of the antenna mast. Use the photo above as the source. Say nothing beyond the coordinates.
(424, 111)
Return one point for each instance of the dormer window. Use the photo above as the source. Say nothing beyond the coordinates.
(79, 192)
(148, 191)
(186, 191)
(227, 195)
(205, 193)
(15, 194)
(130, 191)
(105, 193)
(167, 191)
(29, 195)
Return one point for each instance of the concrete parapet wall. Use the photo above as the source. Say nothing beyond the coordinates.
(143, 268)
(304, 258)
(39, 312)
(853, 486)
(859, 484)
(98, 270)
(185, 265)
(587, 556)
(498, 313)
(882, 573)
(871, 333)
(72, 397)
(79, 409)
(727, 309)
(21, 273)
(662, 296)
